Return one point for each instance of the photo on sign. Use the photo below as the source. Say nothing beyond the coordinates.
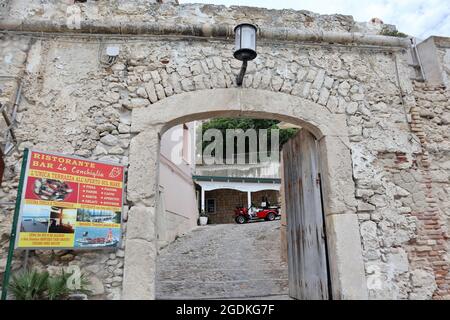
(89, 237)
(51, 190)
(62, 220)
(102, 216)
(35, 218)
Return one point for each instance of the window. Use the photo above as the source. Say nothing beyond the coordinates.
(210, 205)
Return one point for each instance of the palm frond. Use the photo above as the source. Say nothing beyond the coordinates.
(34, 285)
(29, 285)
(57, 287)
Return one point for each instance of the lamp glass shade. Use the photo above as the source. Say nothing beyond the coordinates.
(245, 42)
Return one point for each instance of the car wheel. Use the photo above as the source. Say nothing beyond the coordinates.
(270, 216)
(240, 219)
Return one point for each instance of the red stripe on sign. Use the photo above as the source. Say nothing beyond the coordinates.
(77, 167)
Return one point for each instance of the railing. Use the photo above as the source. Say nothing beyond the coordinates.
(260, 170)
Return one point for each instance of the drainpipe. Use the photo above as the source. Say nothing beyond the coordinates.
(11, 122)
(417, 62)
(196, 30)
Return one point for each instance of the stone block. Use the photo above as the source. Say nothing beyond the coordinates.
(96, 286)
(141, 223)
(139, 271)
(345, 257)
(338, 186)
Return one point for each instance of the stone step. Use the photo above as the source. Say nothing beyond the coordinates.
(189, 248)
(219, 264)
(227, 289)
(196, 274)
(269, 297)
(223, 261)
(224, 258)
(261, 254)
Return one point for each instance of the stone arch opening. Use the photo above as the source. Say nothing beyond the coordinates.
(148, 124)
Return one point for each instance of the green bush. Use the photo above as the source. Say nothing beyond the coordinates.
(34, 285)
(392, 33)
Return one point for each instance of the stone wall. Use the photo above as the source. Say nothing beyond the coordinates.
(74, 101)
(142, 11)
(444, 59)
(434, 55)
(62, 109)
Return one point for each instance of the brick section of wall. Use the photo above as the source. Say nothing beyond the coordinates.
(432, 128)
(226, 202)
(228, 199)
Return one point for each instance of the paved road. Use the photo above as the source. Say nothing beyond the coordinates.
(222, 262)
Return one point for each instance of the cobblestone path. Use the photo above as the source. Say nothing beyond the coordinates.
(224, 261)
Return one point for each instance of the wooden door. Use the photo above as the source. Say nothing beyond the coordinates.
(307, 256)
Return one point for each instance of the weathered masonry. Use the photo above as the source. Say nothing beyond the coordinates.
(378, 108)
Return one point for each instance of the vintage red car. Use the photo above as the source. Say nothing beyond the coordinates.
(265, 212)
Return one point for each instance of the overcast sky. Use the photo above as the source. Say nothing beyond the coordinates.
(420, 18)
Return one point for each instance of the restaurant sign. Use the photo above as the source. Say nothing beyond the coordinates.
(69, 202)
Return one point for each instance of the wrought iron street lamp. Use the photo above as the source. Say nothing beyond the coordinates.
(245, 46)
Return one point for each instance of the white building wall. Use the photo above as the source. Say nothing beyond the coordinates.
(177, 203)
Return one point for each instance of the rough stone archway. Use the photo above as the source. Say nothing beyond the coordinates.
(345, 254)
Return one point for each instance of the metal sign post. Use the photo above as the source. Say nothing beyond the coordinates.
(12, 239)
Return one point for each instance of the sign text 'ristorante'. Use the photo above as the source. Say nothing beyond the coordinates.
(70, 202)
